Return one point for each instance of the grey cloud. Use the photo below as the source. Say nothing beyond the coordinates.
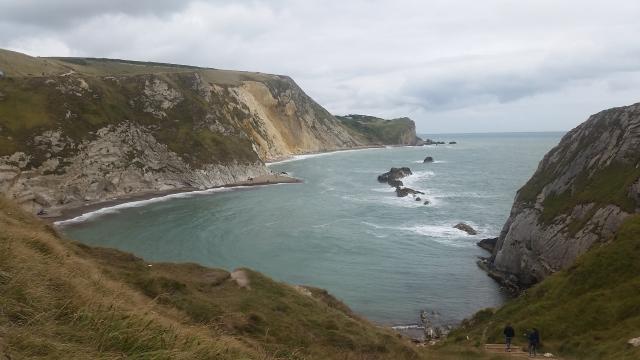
(54, 14)
(427, 59)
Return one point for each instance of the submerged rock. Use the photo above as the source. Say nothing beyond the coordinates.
(466, 228)
(427, 202)
(402, 192)
(418, 198)
(428, 159)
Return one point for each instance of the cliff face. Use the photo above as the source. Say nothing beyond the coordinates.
(401, 131)
(578, 197)
(81, 130)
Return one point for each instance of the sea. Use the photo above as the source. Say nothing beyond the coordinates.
(388, 258)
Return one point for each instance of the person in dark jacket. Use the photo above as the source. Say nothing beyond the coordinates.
(509, 333)
(534, 342)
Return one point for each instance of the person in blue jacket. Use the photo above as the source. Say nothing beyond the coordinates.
(534, 342)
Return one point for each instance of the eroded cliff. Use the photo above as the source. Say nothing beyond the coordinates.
(578, 197)
(75, 130)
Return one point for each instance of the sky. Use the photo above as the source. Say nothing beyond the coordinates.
(452, 66)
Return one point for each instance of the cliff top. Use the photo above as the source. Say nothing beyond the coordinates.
(15, 64)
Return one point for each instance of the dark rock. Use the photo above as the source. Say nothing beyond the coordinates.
(418, 198)
(427, 202)
(508, 281)
(395, 183)
(402, 192)
(452, 142)
(428, 159)
(488, 244)
(394, 174)
(466, 228)
(431, 142)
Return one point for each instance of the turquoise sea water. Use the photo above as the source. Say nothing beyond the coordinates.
(386, 257)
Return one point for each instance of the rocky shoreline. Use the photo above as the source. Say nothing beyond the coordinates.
(66, 213)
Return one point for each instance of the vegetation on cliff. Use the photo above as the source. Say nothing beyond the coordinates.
(78, 130)
(603, 151)
(401, 131)
(578, 197)
(588, 311)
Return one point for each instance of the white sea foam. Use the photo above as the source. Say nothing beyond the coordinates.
(407, 327)
(298, 157)
(138, 203)
(309, 156)
(444, 234)
(418, 176)
(384, 189)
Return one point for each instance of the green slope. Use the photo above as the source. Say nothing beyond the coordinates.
(60, 299)
(382, 131)
(589, 311)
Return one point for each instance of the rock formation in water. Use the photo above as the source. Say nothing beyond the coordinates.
(405, 191)
(466, 228)
(393, 175)
(75, 130)
(578, 197)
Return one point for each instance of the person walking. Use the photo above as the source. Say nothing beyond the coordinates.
(534, 342)
(509, 333)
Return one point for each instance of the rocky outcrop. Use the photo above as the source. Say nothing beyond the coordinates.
(87, 130)
(578, 197)
(433, 142)
(428, 159)
(393, 176)
(488, 244)
(405, 191)
(123, 160)
(466, 228)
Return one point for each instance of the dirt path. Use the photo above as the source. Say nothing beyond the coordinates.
(516, 352)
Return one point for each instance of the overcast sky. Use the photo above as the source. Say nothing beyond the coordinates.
(453, 66)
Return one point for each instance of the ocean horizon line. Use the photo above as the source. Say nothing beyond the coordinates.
(494, 132)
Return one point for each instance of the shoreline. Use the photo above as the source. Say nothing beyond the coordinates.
(295, 157)
(80, 213)
(67, 215)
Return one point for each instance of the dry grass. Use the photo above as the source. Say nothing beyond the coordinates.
(60, 299)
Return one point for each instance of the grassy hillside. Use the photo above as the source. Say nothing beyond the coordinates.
(588, 311)
(381, 131)
(60, 299)
(33, 101)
